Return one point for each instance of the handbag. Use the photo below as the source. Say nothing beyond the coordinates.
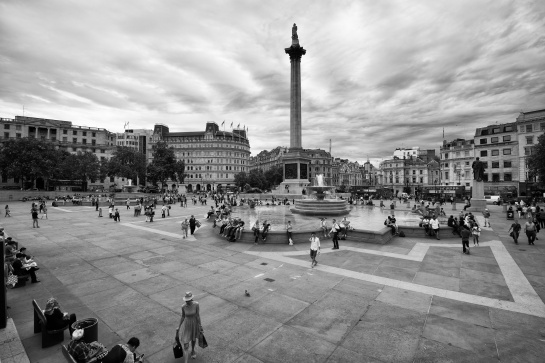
(202, 341)
(12, 279)
(177, 349)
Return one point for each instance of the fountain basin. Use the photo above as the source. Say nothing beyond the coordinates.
(321, 207)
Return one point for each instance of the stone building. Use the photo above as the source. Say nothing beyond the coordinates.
(212, 157)
(65, 136)
(408, 175)
(530, 125)
(138, 139)
(346, 174)
(497, 146)
(456, 159)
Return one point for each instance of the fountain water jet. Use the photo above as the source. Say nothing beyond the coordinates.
(321, 206)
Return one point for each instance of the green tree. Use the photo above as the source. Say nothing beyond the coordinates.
(127, 163)
(165, 166)
(28, 159)
(536, 161)
(256, 178)
(86, 166)
(274, 176)
(241, 179)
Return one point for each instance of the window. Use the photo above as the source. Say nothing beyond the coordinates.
(93, 142)
(446, 155)
(467, 163)
(74, 132)
(457, 154)
(18, 136)
(529, 140)
(495, 177)
(495, 130)
(494, 139)
(506, 164)
(414, 172)
(6, 127)
(414, 180)
(84, 133)
(6, 135)
(466, 153)
(421, 180)
(495, 164)
(18, 127)
(420, 171)
(64, 139)
(485, 177)
(484, 153)
(103, 151)
(528, 150)
(84, 141)
(482, 141)
(528, 128)
(507, 138)
(542, 126)
(506, 151)
(65, 132)
(446, 174)
(111, 179)
(74, 139)
(507, 177)
(94, 134)
(4, 178)
(484, 132)
(508, 128)
(495, 152)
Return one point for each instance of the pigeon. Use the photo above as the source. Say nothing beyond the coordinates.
(246, 293)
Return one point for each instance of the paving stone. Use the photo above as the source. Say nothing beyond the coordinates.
(406, 299)
(397, 273)
(442, 282)
(460, 334)
(431, 351)
(461, 311)
(516, 348)
(279, 307)
(289, 342)
(382, 315)
(343, 355)
(136, 275)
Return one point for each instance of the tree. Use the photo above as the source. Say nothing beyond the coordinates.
(86, 166)
(127, 163)
(28, 159)
(241, 179)
(274, 176)
(165, 166)
(536, 161)
(256, 178)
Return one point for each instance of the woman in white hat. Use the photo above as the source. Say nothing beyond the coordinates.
(191, 321)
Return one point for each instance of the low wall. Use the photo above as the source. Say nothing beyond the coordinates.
(445, 232)
(280, 237)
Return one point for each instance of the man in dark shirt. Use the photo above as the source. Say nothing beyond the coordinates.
(516, 227)
(34, 213)
(465, 233)
(19, 268)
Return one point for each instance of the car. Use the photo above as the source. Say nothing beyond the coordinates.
(492, 199)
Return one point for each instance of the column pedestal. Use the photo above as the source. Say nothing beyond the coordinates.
(478, 203)
(296, 172)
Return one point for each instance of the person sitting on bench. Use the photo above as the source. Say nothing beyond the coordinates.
(84, 352)
(55, 318)
(22, 269)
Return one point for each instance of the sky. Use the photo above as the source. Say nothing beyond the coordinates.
(377, 75)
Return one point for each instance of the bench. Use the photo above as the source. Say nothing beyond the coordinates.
(49, 337)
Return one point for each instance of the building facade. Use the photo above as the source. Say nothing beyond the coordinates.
(212, 157)
(530, 125)
(408, 175)
(497, 146)
(456, 158)
(65, 136)
(138, 139)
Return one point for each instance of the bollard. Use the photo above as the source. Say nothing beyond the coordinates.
(504, 207)
(100, 212)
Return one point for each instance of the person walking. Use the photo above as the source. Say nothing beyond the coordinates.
(7, 211)
(335, 229)
(465, 233)
(190, 326)
(530, 229)
(486, 215)
(515, 231)
(476, 232)
(192, 224)
(434, 223)
(314, 249)
(323, 226)
(255, 229)
(289, 229)
(185, 227)
(45, 212)
(128, 202)
(34, 213)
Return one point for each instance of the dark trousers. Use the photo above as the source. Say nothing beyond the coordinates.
(531, 236)
(256, 235)
(192, 228)
(32, 273)
(465, 244)
(336, 240)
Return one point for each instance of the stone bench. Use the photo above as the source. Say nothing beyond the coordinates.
(49, 337)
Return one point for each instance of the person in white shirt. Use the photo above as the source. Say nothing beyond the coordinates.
(314, 249)
(435, 226)
(323, 226)
(335, 229)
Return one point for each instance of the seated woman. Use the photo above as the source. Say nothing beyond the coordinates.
(84, 352)
(265, 230)
(55, 318)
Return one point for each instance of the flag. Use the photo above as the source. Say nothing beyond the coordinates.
(231, 125)
(223, 123)
(238, 126)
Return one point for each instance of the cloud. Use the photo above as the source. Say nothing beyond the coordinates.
(376, 76)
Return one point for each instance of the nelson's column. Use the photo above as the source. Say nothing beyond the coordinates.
(296, 163)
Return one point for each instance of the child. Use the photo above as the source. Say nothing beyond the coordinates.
(45, 212)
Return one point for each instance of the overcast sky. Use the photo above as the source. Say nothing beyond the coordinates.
(377, 74)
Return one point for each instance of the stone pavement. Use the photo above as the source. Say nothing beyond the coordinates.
(413, 300)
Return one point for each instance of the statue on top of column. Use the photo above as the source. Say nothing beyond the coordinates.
(478, 170)
(294, 32)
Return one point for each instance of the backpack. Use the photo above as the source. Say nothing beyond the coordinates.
(401, 234)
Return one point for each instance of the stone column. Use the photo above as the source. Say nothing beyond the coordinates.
(295, 52)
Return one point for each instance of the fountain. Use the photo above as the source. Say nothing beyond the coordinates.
(317, 204)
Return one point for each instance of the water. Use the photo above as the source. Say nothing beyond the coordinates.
(360, 217)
